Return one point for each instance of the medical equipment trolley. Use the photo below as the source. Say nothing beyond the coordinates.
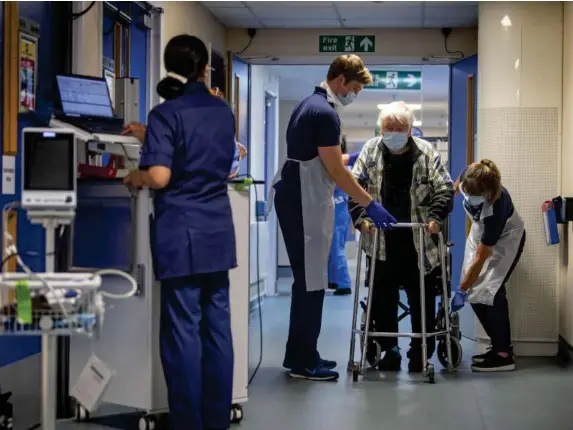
(446, 331)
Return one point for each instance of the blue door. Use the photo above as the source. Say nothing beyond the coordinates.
(463, 85)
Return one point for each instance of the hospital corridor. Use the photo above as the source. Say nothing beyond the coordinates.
(276, 215)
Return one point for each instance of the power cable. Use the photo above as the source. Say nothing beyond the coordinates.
(252, 32)
(83, 12)
(446, 32)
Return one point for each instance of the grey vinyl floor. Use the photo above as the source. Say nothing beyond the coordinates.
(536, 396)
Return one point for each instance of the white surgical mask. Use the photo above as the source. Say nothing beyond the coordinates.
(348, 98)
(394, 140)
(474, 200)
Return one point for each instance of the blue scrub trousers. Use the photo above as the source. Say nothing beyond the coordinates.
(197, 350)
(306, 306)
(337, 265)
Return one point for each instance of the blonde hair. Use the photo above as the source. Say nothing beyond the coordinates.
(483, 178)
(351, 67)
(396, 112)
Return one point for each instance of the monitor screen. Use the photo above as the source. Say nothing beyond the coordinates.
(84, 96)
(49, 161)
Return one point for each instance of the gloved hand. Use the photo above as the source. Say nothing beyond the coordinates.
(352, 158)
(458, 301)
(380, 216)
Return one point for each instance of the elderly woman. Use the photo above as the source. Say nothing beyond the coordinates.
(406, 174)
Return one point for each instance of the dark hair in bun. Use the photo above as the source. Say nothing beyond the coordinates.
(185, 59)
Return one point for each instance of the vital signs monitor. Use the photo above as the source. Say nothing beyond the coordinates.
(49, 169)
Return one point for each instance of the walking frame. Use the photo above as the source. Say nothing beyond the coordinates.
(442, 330)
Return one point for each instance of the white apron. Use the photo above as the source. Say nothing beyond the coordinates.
(317, 196)
(497, 266)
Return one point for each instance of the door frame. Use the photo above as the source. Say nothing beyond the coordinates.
(271, 166)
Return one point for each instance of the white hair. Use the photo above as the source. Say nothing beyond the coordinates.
(396, 112)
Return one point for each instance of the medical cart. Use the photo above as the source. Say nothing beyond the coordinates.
(449, 347)
(129, 340)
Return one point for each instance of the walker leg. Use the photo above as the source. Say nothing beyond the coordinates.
(369, 300)
(49, 386)
(421, 270)
(356, 301)
(446, 303)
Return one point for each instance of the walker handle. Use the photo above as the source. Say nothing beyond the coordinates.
(413, 225)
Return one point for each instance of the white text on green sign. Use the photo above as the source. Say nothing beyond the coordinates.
(394, 80)
(349, 44)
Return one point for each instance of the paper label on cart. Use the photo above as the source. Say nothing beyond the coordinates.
(23, 303)
(91, 384)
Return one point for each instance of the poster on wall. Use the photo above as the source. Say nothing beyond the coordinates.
(28, 71)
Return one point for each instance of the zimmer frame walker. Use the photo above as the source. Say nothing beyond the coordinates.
(358, 368)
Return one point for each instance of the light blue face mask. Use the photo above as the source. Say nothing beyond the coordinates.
(394, 140)
(474, 200)
(348, 98)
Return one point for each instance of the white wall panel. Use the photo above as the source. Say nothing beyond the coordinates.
(519, 116)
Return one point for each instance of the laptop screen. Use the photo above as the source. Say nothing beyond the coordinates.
(84, 96)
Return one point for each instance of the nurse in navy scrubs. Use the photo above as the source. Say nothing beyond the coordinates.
(186, 157)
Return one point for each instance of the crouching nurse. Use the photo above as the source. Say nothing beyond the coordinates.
(186, 157)
(493, 249)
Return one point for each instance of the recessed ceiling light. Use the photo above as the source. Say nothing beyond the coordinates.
(506, 22)
(412, 106)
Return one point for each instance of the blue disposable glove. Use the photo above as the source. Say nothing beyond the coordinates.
(352, 158)
(380, 216)
(458, 301)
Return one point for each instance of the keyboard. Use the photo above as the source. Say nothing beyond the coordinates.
(95, 126)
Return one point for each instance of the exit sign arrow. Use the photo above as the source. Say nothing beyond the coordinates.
(366, 44)
(396, 80)
(410, 80)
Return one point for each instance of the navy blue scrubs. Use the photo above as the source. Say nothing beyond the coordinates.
(314, 123)
(193, 246)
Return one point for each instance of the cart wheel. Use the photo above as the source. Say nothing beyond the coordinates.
(81, 413)
(236, 414)
(431, 374)
(456, 353)
(147, 422)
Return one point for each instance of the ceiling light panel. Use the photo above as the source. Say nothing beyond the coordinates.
(283, 10)
(300, 23)
(223, 4)
(401, 10)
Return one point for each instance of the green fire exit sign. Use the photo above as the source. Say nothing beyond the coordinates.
(347, 44)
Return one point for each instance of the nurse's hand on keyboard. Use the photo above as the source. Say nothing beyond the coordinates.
(380, 216)
(135, 129)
